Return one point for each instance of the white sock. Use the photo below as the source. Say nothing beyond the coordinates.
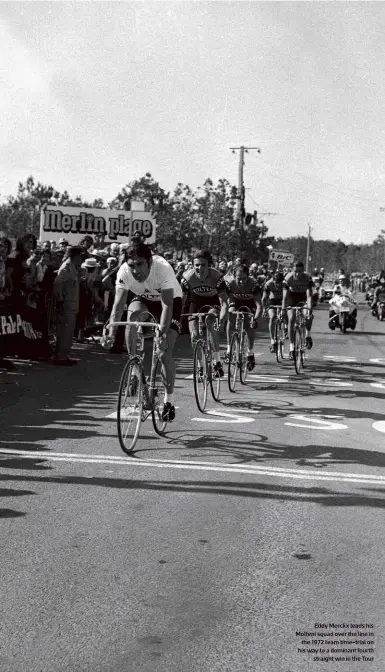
(291, 347)
(168, 397)
(272, 341)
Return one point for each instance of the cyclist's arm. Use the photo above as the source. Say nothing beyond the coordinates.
(309, 298)
(224, 306)
(117, 309)
(257, 301)
(167, 300)
(265, 297)
(285, 296)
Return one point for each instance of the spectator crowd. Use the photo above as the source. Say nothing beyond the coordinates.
(68, 291)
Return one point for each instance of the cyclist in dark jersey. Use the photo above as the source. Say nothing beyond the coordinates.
(298, 288)
(204, 290)
(273, 295)
(243, 291)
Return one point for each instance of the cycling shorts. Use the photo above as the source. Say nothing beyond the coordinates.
(155, 308)
(238, 304)
(296, 299)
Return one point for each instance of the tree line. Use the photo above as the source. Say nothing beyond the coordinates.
(190, 219)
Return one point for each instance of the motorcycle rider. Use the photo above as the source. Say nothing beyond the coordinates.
(379, 295)
(342, 289)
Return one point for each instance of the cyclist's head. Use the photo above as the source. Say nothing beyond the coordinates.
(299, 267)
(278, 276)
(138, 258)
(202, 261)
(241, 273)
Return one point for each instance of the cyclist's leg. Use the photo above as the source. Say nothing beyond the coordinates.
(136, 311)
(230, 327)
(214, 334)
(272, 321)
(290, 322)
(308, 325)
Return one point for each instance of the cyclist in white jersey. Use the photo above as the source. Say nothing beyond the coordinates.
(148, 284)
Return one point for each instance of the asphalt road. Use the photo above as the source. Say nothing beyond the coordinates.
(211, 548)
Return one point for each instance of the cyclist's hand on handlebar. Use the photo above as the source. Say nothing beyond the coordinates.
(107, 341)
(254, 323)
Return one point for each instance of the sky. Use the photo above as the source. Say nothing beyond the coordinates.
(95, 94)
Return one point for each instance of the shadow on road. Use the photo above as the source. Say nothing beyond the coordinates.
(316, 495)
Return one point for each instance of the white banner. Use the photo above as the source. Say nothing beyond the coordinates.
(115, 225)
(281, 257)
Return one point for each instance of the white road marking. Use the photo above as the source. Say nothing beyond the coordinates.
(328, 382)
(315, 423)
(256, 470)
(380, 386)
(379, 426)
(268, 379)
(114, 415)
(223, 417)
(378, 360)
(340, 358)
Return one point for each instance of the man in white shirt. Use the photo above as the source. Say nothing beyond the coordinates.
(148, 284)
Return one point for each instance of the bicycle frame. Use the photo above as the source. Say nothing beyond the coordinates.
(203, 359)
(237, 358)
(147, 402)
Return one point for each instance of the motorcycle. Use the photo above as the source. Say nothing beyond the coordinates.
(381, 311)
(343, 312)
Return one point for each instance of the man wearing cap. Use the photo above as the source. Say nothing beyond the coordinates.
(66, 293)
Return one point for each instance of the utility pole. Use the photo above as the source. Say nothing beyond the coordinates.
(241, 188)
(308, 248)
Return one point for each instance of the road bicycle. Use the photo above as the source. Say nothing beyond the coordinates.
(203, 362)
(280, 334)
(299, 338)
(239, 348)
(139, 397)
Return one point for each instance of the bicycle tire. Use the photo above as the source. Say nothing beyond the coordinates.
(234, 362)
(157, 391)
(297, 351)
(214, 380)
(200, 379)
(277, 336)
(282, 340)
(129, 415)
(245, 345)
(343, 322)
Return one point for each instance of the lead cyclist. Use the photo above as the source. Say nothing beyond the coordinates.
(148, 284)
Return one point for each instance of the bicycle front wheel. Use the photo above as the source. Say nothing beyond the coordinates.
(234, 362)
(297, 351)
(157, 399)
(213, 376)
(245, 345)
(200, 376)
(130, 404)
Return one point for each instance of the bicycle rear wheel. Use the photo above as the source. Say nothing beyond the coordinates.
(245, 346)
(157, 391)
(130, 404)
(200, 376)
(234, 362)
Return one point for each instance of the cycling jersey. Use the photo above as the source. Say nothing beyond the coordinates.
(161, 277)
(274, 290)
(243, 295)
(202, 292)
(298, 285)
